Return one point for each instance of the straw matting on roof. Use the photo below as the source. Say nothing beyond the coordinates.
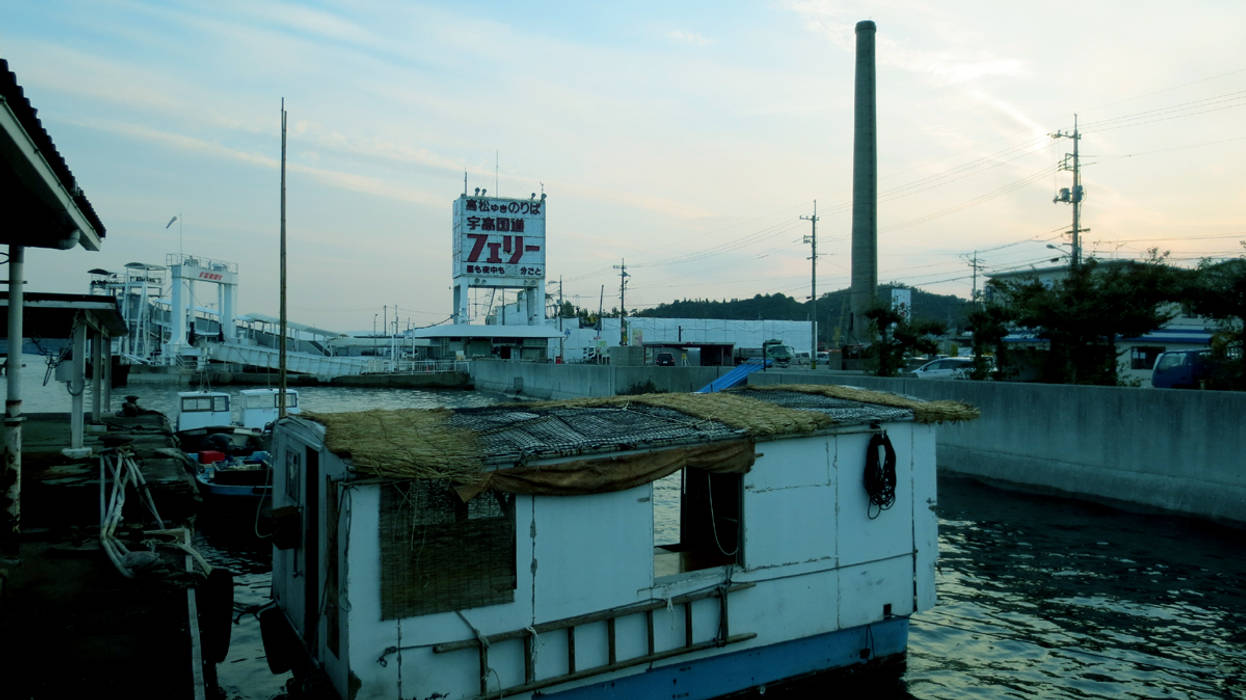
(404, 443)
(756, 418)
(923, 411)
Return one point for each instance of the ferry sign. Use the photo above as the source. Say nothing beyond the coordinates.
(499, 242)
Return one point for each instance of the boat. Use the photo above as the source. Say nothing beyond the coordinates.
(230, 459)
(510, 550)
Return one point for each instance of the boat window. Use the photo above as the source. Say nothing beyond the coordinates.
(191, 404)
(440, 554)
(708, 530)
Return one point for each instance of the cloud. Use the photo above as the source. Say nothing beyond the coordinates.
(690, 38)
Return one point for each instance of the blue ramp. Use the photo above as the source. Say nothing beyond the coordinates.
(735, 376)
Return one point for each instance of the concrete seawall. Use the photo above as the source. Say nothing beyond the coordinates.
(1177, 451)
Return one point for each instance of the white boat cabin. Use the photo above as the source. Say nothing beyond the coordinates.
(666, 545)
(203, 409)
(261, 406)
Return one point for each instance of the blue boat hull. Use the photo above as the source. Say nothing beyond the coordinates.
(878, 644)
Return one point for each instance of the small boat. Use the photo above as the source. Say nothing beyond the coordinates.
(513, 551)
(230, 458)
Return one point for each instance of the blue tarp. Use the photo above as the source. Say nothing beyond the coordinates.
(735, 376)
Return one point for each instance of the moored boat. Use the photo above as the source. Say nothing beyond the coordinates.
(229, 458)
(509, 551)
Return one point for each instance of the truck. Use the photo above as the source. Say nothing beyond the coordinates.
(779, 353)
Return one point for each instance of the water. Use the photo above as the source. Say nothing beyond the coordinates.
(1038, 597)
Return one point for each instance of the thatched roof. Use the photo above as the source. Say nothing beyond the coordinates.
(755, 418)
(407, 443)
(923, 411)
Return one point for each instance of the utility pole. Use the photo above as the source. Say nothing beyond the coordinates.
(1075, 195)
(974, 265)
(622, 268)
(812, 240)
(562, 346)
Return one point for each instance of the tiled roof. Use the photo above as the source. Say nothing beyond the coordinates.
(28, 117)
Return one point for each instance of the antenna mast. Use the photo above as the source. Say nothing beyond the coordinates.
(281, 386)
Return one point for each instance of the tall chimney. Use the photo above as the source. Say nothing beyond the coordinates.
(864, 187)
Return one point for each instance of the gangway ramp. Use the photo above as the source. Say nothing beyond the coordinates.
(300, 362)
(735, 376)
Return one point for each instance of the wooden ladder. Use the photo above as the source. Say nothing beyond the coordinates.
(529, 634)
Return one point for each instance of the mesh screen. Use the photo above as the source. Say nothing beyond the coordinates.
(440, 554)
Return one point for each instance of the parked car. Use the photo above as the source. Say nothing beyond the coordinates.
(946, 368)
(1181, 369)
(664, 359)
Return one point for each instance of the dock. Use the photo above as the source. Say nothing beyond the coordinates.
(72, 623)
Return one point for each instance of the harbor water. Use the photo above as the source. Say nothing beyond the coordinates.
(1037, 596)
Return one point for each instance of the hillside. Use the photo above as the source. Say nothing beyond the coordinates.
(832, 309)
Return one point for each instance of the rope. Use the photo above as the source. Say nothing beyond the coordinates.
(709, 487)
(880, 474)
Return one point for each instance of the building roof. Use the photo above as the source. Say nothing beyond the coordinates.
(49, 209)
(261, 318)
(465, 330)
(52, 315)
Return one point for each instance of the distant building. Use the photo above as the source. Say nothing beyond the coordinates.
(1137, 355)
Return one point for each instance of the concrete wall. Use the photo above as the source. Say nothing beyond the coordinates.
(552, 381)
(1174, 450)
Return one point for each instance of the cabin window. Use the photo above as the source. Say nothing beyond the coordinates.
(1143, 357)
(696, 521)
(205, 403)
(439, 554)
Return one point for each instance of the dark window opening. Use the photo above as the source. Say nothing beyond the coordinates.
(710, 527)
(440, 554)
(1143, 357)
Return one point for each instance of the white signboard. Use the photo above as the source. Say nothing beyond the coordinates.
(902, 301)
(499, 242)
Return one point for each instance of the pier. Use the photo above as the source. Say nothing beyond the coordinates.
(73, 623)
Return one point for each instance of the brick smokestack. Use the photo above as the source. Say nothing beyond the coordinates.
(864, 187)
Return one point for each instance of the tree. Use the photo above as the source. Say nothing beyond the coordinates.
(990, 326)
(1082, 315)
(897, 336)
(1217, 290)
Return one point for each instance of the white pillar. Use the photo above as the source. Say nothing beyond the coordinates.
(226, 298)
(78, 384)
(177, 317)
(536, 305)
(461, 299)
(11, 461)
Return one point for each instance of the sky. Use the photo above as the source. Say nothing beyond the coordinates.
(685, 140)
